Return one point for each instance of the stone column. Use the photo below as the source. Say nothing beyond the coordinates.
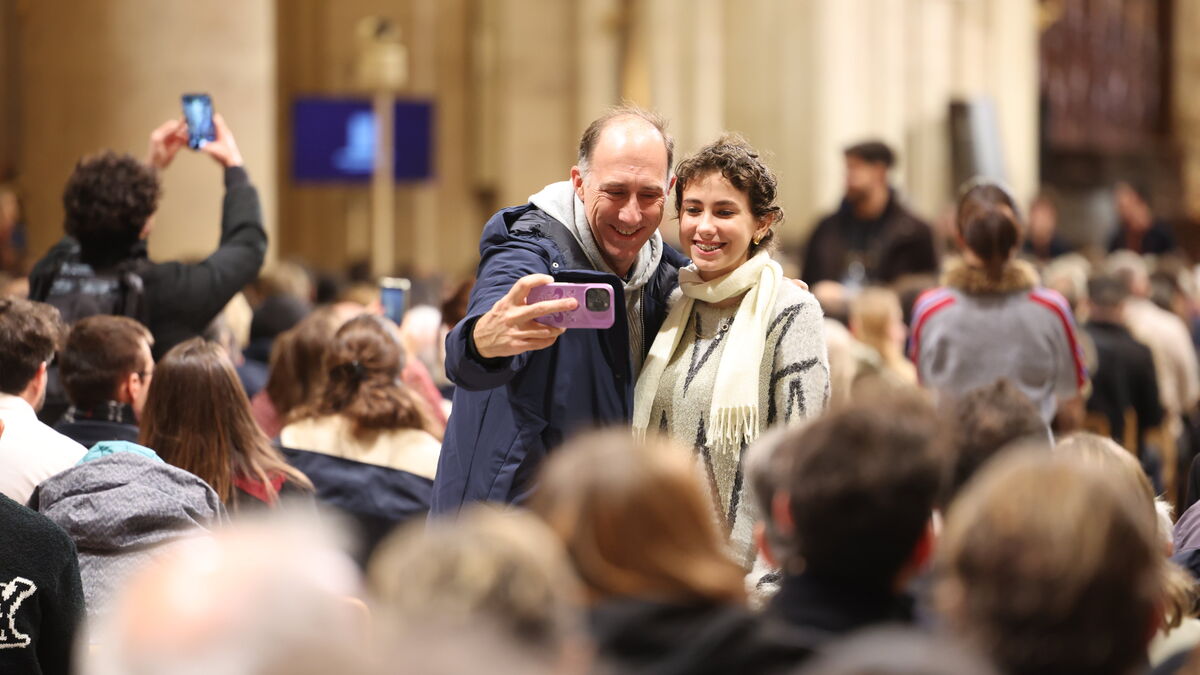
(97, 75)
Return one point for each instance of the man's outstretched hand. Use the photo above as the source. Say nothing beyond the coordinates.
(508, 328)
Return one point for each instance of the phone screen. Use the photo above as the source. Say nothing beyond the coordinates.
(393, 292)
(198, 111)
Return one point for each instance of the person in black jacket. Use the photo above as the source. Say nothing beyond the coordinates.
(41, 595)
(1137, 228)
(1125, 379)
(872, 238)
(110, 201)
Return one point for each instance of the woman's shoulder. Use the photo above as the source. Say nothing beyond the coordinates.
(793, 302)
(307, 432)
(413, 450)
(791, 294)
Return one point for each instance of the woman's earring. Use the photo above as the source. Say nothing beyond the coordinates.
(758, 240)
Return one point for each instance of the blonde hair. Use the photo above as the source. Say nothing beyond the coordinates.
(1179, 587)
(874, 314)
(500, 568)
(636, 520)
(1044, 557)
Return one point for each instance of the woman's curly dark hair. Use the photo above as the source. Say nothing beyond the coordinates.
(108, 199)
(739, 163)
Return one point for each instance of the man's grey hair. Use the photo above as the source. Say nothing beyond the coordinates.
(587, 142)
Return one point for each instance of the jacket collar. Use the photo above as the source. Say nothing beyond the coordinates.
(836, 606)
(1016, 275)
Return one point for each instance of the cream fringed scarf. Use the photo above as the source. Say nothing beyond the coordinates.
(733, 417)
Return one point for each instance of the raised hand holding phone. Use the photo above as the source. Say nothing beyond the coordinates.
(594, 308)
(198, 111)
(510, 327)
(165, 142)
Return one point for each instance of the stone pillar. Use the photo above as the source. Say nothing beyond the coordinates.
(98, 75)
(1186, 102)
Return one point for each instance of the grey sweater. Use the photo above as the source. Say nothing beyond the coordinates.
(975, 330)
(121, 510)
(793, 386)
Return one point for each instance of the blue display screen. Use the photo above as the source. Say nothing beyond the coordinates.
(334, 140)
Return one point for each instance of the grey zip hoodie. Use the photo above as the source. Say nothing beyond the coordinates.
(122, 511)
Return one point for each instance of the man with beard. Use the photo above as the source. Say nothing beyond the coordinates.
(872, 238)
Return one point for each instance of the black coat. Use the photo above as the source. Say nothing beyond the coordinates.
(1125, 379)
(1159, 239)
(184, 297)
(41, 595)
(893, 245)
(640, 636)
(831, 609)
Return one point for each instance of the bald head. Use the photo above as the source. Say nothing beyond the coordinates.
(630, 122)
(623, 177)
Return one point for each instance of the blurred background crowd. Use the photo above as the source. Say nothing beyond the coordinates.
(876, 115)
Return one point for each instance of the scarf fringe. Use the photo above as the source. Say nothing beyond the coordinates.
(731, 429)
(734, 414)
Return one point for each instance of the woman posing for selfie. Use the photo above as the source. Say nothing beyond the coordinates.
(741, 349)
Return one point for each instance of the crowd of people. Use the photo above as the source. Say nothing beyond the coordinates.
(918, 452)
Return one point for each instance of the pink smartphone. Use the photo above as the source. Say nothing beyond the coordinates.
(595, 308)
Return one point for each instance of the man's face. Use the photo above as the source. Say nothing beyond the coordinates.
(624, 190)
(862, 178)
(1130, 207)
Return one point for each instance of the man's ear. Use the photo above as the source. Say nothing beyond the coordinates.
(921, 554)
(43, 374)
(781, 513)
(763, 545)
(125, 393)
(577, 181)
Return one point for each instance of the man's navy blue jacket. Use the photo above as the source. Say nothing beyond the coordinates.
(509, 412)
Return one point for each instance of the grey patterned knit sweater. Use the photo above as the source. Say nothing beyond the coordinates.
(793, 385)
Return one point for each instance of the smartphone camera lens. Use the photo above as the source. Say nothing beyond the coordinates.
(596, 300)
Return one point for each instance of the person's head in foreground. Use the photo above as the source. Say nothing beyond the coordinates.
(725, 196)
(1180, 592)
(851, 507)
(499, 576)
(270, 597)
(1048, 565)
(636, 521)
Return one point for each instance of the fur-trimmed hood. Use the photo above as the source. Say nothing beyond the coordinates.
(1016, 275)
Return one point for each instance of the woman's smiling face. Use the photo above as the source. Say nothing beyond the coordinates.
(716, 225)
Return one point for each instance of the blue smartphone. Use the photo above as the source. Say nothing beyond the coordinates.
(393, 293)
(198, 111)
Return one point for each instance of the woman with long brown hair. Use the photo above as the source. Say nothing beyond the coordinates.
(366, 427)
(637, 523)
(296, 374)
(197, 417)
